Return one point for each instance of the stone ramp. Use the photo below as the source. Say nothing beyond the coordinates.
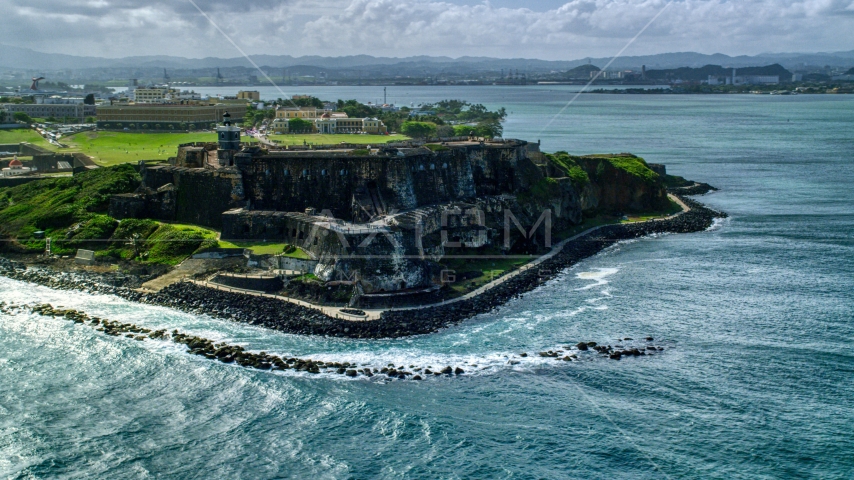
(189, 268)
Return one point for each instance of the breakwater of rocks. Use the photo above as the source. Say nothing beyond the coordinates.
(695, 189)
(238, 355)
(287, 317)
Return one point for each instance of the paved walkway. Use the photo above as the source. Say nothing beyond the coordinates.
(374, 314)
(189, 267)
(334, 312)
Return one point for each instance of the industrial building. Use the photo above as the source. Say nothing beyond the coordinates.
(77, 111)
(165, 116)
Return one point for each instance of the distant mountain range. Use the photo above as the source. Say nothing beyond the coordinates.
(27, 59)
(702, 73)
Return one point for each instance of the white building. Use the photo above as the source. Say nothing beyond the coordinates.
(16, 168)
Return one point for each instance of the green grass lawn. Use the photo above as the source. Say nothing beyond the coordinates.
(317, 139)
(112, 148)
(490, 268)
(24, 135)
(267, 248)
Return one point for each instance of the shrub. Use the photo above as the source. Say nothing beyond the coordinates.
(418, 129)
(170, 245)
(568, 164)
(92, 231)
(132, 226)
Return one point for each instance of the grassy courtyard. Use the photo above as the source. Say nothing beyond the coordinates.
(113, 148)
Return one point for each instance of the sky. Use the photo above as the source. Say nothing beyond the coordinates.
(546, 29)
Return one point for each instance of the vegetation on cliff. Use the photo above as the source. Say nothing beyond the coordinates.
(626, 162)
(71, 211)
(570, 167)
(58, 203)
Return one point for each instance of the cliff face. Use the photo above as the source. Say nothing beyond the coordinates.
(622, 183)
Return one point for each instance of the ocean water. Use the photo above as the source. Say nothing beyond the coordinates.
(756, 315)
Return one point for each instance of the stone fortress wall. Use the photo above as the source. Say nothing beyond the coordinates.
(379, 218)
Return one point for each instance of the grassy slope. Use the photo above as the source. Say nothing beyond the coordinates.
(57, 204)
(72, 212)
(570, 167)
(24, 135)
(635, 166)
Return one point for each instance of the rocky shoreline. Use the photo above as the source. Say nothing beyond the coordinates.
(291, 318)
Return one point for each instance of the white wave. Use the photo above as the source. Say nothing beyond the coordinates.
(717, 224)
(599, 277)
(364, 355)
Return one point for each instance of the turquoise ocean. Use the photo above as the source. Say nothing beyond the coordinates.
(756, 315)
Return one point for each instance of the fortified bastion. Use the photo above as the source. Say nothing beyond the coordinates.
(382, 218)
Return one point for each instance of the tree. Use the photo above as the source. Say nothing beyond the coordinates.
(418, 129)
(307, 102)
(89, 99)
(489, 129)
(22, 117)
(355, 109)
(445, 131)
(486, 129)
(90, 120)
(300, 125)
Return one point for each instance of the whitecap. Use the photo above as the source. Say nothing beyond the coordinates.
(598, 277)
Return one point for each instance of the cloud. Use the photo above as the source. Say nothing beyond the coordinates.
(571, 29)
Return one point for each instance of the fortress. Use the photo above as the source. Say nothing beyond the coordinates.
(382, 218)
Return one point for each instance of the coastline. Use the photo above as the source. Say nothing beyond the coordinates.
(288, 317)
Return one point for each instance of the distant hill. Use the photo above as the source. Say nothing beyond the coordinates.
(702, 73)
(12, 57)
(582, 71)
(850, 71)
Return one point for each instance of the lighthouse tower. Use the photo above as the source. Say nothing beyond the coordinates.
(228, 137)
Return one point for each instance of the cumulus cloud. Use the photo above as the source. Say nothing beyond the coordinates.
(565, 30)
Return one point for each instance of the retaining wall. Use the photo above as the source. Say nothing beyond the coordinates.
(261, 283)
